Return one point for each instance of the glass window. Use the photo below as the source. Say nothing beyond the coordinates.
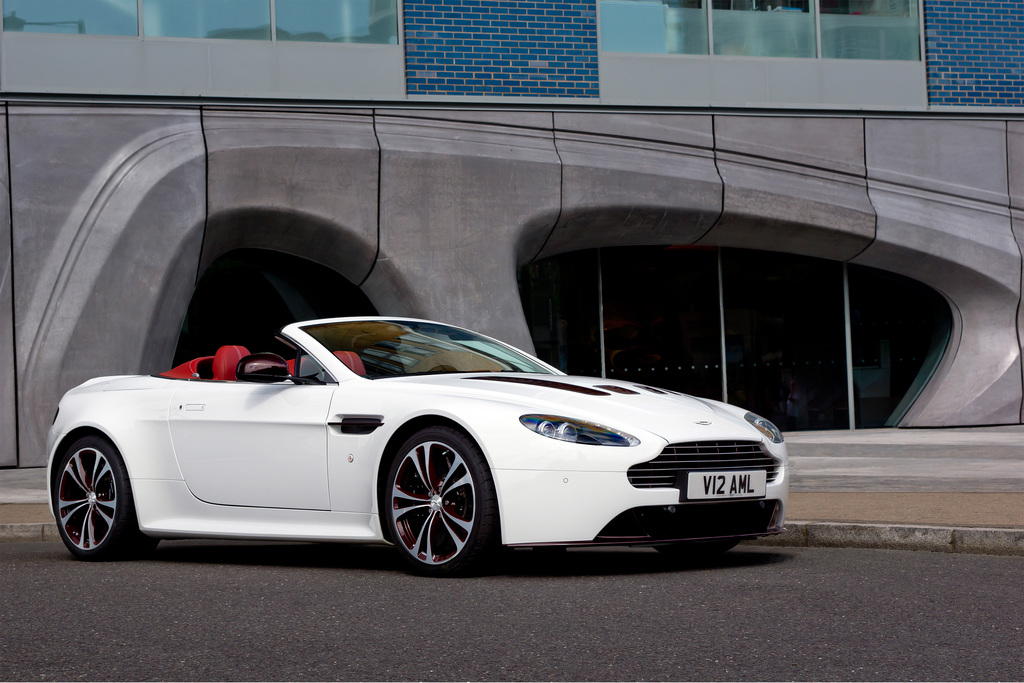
(338, 21)
(561, 305)
(661, 323)
(899, 331)
(96, 17)
(238, 19)
(658, 26)
(785, 338)
(870, 29)
(785, 329)
(764, 28)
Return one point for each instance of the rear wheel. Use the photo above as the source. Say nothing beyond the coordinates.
(441, 507)
(93, 503)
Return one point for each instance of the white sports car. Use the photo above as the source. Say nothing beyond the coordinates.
(438, 440)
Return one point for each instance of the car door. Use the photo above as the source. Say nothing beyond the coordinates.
(250, 444)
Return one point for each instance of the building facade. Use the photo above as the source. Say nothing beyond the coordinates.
(814, 208)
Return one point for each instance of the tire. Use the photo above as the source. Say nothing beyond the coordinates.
(440, 503)
(697, 550)
(93, 503)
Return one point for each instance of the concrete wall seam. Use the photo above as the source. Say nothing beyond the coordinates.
(376, 255)
(1015, 182)
(634, 179)
(8, 349)
(561, 200)
(792, 184)
(304, 183)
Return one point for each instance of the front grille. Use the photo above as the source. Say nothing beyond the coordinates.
(706, 456)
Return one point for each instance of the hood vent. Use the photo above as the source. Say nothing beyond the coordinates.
(616, 390)
(547, 383)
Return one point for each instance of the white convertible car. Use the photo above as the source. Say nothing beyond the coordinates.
(443, 442)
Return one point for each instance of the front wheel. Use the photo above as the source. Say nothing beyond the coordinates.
(93, 504)
(441, 506)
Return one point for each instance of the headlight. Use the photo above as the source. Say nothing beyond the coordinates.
(577, 431)
(765, 427)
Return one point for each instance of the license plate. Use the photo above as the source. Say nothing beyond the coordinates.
(714, 485)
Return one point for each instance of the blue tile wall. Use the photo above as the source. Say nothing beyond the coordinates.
(975, 52)
(501, 48)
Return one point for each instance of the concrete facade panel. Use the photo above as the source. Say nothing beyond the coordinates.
(1017, 217)
(462, 206)
(1015, 176)
(299, 183)
(638, 179)
(947, 224)
(8, 422)
(108, 208)
(1015, 162)
(965, 159)
(793, 184)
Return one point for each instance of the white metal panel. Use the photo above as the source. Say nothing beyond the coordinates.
(114, 65)
(257, 445)
(696, 81)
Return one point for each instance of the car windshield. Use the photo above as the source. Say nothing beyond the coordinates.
(397, 348)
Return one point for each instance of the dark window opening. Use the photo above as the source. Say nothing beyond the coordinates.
(247, 295)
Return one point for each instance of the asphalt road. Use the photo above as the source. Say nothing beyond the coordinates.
(197, 610)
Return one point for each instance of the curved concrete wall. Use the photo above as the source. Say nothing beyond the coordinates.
(108, 209)
(116, 212)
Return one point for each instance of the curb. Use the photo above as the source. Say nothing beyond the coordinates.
(20, 533)
(967, 540)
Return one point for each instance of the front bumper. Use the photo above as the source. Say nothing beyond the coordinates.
(571, 507)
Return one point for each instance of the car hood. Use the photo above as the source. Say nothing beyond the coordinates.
(620, 405)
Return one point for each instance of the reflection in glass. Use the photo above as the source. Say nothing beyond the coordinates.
(661, 324)
(654, 26)
(763, 28)
(95, 17)
(785, 338)
(338, 21)
(561, 305)
(899, 333)
(785, 329)
(868, 29)
(237, 19)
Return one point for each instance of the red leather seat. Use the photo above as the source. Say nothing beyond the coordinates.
(193, 369)
(226, 360)
(352, 361)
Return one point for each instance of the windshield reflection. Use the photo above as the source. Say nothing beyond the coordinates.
(399, 348)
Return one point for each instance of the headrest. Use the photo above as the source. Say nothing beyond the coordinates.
(226, 360)
(352, 361)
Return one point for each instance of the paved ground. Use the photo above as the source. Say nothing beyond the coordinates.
(947, 479)
(238, 611)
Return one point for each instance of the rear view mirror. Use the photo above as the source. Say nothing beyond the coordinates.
(262, 367)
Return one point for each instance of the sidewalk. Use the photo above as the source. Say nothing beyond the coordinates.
(950, 490)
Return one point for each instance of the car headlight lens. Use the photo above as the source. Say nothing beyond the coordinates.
(762, 425)
(577, 431)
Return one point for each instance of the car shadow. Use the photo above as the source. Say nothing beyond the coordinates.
(524, 562)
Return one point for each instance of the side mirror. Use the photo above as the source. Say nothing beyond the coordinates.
(262, 367)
